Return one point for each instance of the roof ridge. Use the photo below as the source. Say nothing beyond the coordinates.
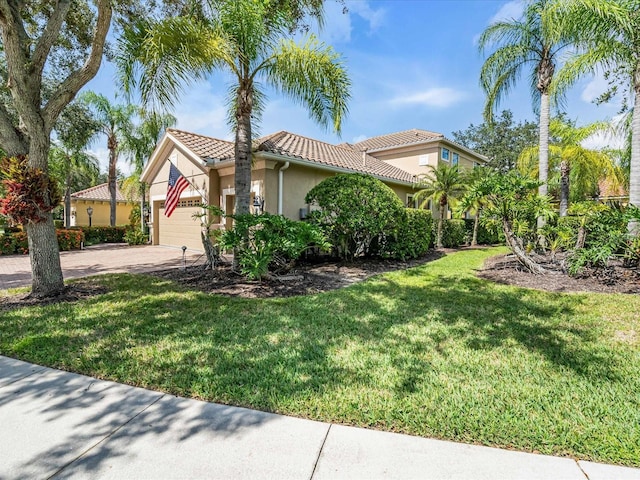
(198, 135)
(95, 187)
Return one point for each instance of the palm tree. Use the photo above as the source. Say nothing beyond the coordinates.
(580, 169)
(246, 39)
(530, 42)
(113, 122)
(473, 200)
(610, 39)
(138, 145)
(442, 185)
(75, 170)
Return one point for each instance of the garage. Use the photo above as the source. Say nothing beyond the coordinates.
(181, 228)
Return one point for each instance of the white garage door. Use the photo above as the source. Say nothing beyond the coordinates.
(181, 228)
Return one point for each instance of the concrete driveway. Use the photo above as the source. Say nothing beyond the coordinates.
(15, 270)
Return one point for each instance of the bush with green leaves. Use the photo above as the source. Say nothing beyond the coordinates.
(135, 236)
(357, 213)
(95, 235)
(454, 233)
(413, 235)
(486, 236)
(270, 243)
(7, 244)
(606, 237)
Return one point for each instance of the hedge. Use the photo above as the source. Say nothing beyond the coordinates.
(11, 243)
(93, 235)
(485, 236)
(453, 233)
(413, 236)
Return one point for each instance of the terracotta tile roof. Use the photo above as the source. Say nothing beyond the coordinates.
(398, 139)
(315, 151)
(99, 192)
(207, 148)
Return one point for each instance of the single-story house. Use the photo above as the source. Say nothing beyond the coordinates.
(285, 167)
(98, 200)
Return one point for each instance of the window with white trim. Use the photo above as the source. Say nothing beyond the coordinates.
(445, 154)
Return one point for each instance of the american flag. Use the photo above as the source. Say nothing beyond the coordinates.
(177, 184)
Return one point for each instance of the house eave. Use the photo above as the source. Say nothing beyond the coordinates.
(320, 166)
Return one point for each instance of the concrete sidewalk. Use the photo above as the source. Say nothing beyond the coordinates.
(63, 425)
(15, 270)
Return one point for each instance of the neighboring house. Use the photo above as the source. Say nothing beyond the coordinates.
(98, 199)
(285, 167)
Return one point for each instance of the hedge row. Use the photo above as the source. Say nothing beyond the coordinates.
(17, 242)
(93, 235)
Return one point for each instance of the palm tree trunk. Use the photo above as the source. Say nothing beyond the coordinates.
(143, 201)
(67, 207)
(543, 163)
(440, 222)
(565, 171)
(243, 147)
(44, 254)
(476, 223)
(112, 144)
(634, 178)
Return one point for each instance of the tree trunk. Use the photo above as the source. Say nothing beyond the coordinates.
(67, 207)
(565, 171)
(582, 237)
(476, 223)
(112, 144)
(43, 244)
(518, 251)
(439, 232)
(143, 192)
(634, 178)
(212, 251)
(543, 162)
(243, 148)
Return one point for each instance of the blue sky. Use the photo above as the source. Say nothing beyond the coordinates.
(412, 63)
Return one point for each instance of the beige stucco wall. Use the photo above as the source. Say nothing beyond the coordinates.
(409, 158)
(101, 212)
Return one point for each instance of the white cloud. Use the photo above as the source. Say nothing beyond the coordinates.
(203, 110)
(508, 11)
(433, 97)
(338, 24)
(607, 140)
(596, 87)
(359, 138)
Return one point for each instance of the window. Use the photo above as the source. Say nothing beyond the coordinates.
(455, 159)
(411, 202)
(445, 154)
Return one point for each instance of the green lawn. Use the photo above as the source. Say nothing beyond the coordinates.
(431, 351)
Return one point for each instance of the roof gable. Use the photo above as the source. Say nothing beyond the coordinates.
(398, 139)
(98, 192)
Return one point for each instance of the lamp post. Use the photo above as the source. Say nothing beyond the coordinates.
(89, 212)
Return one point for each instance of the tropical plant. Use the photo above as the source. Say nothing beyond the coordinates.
(444, 185)
(75, 170)
(608, 33)
(513, 205)
(580, 169)
(473, 201)
(114, 121)
(529, 42)
(246, 39)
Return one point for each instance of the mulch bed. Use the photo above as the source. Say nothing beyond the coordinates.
(507, 270)
(305, 279)
(310, 278)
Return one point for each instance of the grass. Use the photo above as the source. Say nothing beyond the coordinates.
(431, 351)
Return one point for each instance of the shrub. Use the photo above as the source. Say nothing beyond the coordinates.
(413, 235)
(95, 235)
(69, 239)
(269, 242)
(7, 244)
(22, 242)
(357, 213)
(486, 236)
(135, 236)
(454, 233)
